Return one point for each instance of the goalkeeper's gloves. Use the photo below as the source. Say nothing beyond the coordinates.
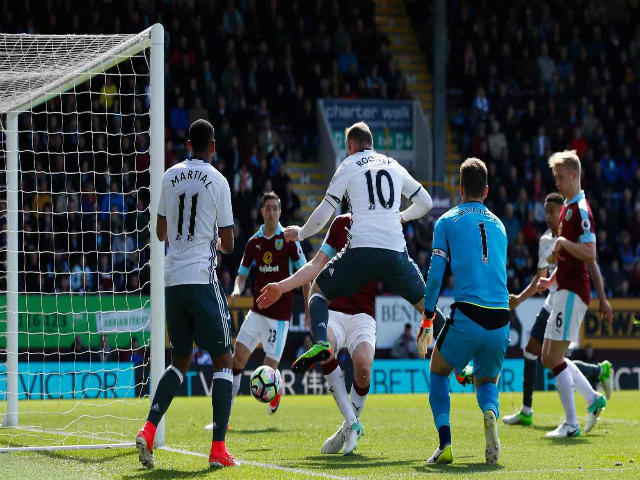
(425, 334)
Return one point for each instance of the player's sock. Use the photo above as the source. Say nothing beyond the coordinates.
(590, 370)
(581, 384)
(167, 387)
(564, 384)
(487, 396)
(319, 312)
(530, 373)
(221, 395)
(440, 406)
(358, 397)
(335, 380)
(237, 381)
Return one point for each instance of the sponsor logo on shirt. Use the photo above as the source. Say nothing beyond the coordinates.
(269, 268)
(267, 258)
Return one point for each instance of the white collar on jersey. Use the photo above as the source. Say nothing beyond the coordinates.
(194, 160)
(261, 230)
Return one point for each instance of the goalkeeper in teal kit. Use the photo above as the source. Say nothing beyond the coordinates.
(473, 240)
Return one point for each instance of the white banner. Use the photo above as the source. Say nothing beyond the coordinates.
(392, 313)
(124, 321)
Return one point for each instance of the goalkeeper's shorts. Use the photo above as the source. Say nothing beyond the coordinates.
(198, 312)
(463, 340)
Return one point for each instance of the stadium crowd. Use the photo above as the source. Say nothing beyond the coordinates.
(528, 79)
(567, 79)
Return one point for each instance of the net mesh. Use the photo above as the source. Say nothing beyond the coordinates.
(84, 240)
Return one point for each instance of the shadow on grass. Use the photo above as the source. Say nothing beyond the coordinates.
(349, 461)
(459, 468)
(258, 431)
(169, 473)
(85, 457)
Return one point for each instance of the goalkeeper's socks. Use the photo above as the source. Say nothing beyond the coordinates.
(319, 312)
(487, 396)
(167, 387)
(440, 406)
(359, 397)
(221, 396)
(529, 380)
(335, 380)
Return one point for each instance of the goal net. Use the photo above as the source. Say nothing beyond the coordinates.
(81, 289)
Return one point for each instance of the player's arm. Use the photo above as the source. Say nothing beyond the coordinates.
(529, 291)
(606, 312)
(323, 212)
(585, 252)
(272, 292)
(585, 248)
(238, 286)
(243, 272)
(545, 283)
(421, 202)
(439, 258)
(161, 228)
(225, 218)
(226, 240)
(161, 222)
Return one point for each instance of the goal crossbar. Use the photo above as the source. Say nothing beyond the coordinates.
(32, 88)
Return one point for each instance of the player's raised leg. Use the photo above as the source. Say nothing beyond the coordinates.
(321, 349)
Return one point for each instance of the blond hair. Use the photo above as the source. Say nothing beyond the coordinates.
(567, 158)
(360, 133)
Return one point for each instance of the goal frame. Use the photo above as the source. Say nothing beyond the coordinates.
(153, 38)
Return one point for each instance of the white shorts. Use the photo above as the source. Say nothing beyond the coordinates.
(351, 330)
(271, 333)
(567, 313)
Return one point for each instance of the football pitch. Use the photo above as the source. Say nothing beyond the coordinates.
(399, 437)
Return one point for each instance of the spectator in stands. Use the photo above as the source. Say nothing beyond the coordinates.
(405, 346)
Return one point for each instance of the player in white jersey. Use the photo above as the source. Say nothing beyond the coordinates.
(373, 185)
(194, 208)
(546, 265)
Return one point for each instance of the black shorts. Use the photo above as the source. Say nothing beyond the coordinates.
(352, 268)
(198, 312)
(540, 325)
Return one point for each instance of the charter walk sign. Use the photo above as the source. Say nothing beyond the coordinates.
(391, 122)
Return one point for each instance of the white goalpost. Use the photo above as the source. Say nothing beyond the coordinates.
(82, 327)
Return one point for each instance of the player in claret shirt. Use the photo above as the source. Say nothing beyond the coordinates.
(574, 249)
(274, 260)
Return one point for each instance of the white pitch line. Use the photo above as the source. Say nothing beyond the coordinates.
(300, 471)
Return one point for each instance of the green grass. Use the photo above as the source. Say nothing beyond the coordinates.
(400, 436)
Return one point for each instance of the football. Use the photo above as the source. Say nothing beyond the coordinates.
(266, 383)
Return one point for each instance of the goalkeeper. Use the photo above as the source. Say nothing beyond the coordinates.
(473, 240)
